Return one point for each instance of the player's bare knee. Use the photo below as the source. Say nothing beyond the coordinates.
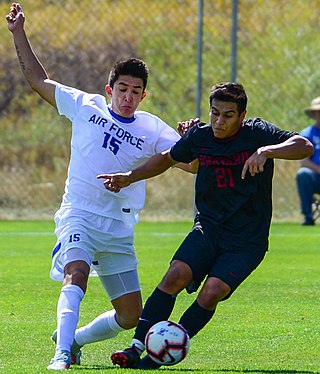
(76, 273)
(76, 277)
(177, 277)
(212, 292)
(207, 301)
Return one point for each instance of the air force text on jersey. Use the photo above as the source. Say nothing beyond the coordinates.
(116, 132)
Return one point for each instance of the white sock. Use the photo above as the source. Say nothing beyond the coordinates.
(101, 328)
(68, 315)
(138, 346)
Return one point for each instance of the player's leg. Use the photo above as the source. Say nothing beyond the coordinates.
(124, 292)
(76, 271)
(116, 266)
(196, 264)
(228, 271)
(78, 234)
(160, 304)
(196, 316)
(202, 310)
(186, 266)
(158, 307)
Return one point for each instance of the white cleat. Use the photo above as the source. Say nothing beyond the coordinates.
(61, 361)
(75, 350)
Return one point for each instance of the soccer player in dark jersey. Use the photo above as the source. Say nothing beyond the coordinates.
(233, 196)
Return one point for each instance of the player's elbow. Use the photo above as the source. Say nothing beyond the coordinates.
(309, 149)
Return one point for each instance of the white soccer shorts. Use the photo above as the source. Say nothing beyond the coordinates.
(104, 243)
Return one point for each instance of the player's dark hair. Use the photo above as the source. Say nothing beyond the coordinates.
(132, 66)
(231, 92)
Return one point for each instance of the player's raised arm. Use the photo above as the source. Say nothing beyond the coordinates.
(156, 165)
(295, 148)
(31, 67)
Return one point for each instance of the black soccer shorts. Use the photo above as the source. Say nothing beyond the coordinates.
(205, 256)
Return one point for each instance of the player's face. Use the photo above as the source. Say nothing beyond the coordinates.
(126, 95)
(225, 119)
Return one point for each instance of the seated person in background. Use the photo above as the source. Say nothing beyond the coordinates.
(308, 176)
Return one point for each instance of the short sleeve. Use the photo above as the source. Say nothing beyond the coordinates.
(69, 101)
(166, 138)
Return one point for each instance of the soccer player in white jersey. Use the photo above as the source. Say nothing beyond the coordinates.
(94, 227)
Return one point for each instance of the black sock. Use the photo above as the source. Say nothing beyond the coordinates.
(195, 318)
(157, 308)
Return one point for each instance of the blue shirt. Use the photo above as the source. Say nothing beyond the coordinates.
(313, 134)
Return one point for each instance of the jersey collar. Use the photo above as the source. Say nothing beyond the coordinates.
(119, 118)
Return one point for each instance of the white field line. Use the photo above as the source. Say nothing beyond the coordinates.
(27, 233)
(30, 233)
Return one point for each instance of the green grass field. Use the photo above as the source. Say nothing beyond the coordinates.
(270, 325)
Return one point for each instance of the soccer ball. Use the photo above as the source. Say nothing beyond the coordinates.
(167, 343)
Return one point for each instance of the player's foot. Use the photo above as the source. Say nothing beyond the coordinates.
(60, 361)
(75, 350)
(129, 358)
(146, 363)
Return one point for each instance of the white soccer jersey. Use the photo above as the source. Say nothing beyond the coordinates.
(102, 142)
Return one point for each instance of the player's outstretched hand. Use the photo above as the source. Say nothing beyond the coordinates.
(184, 126)
(114, 182)
(15, 18)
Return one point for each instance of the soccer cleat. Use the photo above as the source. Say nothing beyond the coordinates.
(148, 364)
(60, 361)
(75, 354)
(129, 358)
